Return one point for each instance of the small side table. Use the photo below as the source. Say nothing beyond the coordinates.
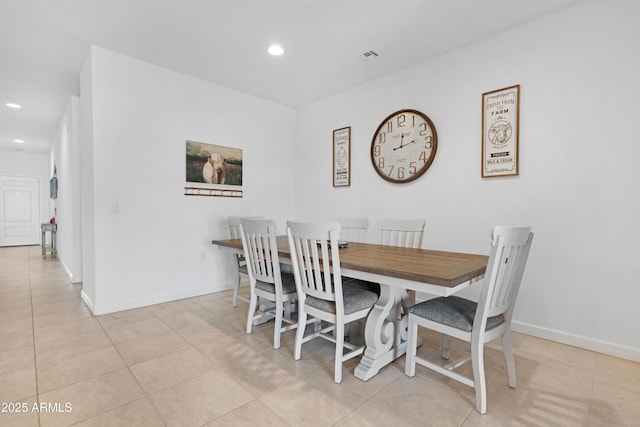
(52, 228)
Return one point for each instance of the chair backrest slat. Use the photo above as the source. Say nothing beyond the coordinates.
(316, 260)
(260, 249)
(407, 233)
(353, 229)
(234, 224)
(509, 252)
(234, 233)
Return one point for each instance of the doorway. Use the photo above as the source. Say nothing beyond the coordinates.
(19, 210)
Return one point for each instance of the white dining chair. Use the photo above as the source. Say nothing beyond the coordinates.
(266, 281)
(476, 322)
(315, 256)
(353, 229)
(406, 233)
(241, 265)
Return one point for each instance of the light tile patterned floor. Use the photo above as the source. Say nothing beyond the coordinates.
(190, 363)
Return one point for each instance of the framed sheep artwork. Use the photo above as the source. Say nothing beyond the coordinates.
(213, 164)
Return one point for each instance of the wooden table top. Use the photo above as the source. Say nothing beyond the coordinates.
(440, 268)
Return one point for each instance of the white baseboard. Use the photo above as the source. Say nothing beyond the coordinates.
(69, 274)
(613, 349)
(87, 301)
(128, 305)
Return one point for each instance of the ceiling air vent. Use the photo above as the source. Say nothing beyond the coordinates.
(369, 55)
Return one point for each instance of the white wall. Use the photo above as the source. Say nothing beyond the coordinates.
(27, 164)
(578, 182)
(64, 153)
(151, 243)
(87, 182)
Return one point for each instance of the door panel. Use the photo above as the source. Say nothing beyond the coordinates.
(19, 210)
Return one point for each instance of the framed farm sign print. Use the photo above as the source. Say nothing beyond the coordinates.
(500, 113)
(342, 157)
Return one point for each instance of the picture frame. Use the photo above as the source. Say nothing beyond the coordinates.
(342, 157)
(210, 165)
(500, 133)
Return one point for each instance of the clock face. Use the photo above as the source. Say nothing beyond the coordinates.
(404, 146)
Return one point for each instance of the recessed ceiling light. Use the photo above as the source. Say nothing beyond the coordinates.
(19, 141)
(12, 105)
(275, 50)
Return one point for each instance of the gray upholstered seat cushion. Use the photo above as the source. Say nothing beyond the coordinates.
(453, 311)
(362, 284)
(288, 285)
(355, 298)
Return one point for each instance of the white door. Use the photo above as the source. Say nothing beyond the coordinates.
(19, 210)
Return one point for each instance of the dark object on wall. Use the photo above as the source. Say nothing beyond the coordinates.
(53, 187)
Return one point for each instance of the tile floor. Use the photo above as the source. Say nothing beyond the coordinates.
(189, 363)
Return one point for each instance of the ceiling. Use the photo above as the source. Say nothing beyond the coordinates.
(43, 44)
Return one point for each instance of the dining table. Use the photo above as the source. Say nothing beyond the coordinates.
(396, 269)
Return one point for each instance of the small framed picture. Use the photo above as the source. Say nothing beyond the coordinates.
(500, 113)
(342, 157)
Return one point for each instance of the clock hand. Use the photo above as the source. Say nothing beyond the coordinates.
(400, 146)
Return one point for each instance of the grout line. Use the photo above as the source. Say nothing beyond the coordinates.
(33, 335)
(148, 394)
(35, 359)
(145, 395)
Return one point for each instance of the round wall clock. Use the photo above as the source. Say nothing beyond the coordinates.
(404, 146)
